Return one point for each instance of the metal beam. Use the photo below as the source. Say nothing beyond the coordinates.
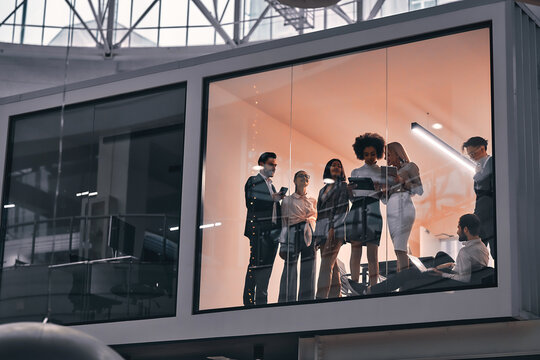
(110, 20)
(83, 23)
(237, 14)
(23, 21)
(259, 20)
(342, 14)
(376, 8)
(13, 12)
(214, 23)
(359, 10)
(104, 11)
(224, 10)
(100, 28)
(136, 23)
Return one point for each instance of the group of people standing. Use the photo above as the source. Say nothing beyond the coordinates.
(299, 225)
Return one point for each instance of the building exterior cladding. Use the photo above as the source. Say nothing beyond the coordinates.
(175, 304)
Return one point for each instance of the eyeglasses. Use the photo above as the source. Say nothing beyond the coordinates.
(305, 176)
(475, 151)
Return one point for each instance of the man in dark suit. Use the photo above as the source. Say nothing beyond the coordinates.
(263, 225)
(484, 187)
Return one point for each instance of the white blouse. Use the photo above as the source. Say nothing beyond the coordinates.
(296, 209)
(370, 171)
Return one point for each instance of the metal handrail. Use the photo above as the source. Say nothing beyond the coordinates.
(90, 218)
(85, 240)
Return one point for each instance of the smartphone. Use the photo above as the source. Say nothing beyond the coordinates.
(283, 190)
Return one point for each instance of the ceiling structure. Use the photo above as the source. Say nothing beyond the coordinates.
(112, 24)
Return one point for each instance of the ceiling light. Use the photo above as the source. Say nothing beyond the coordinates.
(9, 206)
(174, 228)
(206, 226)
(437, 126)
(328, 181)
(439, 144)
(258, 167)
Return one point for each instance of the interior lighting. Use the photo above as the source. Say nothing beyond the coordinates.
(93, 193)
(258, 167)
(206, 226)
(437, 126)
(328, 181)
(9, 206)
(443, 147)
(174, 228)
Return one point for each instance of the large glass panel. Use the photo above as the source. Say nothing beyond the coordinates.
(247, 116)
(439, 142)
(335, 101)
(92, 199)
(394, 185)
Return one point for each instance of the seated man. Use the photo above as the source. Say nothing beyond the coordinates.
(472, 257)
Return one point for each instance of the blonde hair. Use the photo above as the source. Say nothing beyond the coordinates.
(399, 150)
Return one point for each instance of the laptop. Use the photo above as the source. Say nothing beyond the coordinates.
(419, 264)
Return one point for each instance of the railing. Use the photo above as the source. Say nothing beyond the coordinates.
(79, 228)
(125, 282)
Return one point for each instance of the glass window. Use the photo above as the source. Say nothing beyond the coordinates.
(384, 160)
(92, 205)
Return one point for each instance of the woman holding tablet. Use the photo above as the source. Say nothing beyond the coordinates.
(400, 211)
(364, 221)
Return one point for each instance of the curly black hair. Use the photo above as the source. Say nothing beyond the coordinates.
(366, 140)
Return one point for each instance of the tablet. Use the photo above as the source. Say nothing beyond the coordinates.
(390, 170)
(362, 183)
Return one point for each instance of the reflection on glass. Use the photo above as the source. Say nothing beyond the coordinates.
(94, 202)
(405, 197)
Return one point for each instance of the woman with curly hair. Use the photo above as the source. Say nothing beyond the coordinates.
(364, 221)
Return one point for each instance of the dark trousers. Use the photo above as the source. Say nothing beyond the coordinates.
(412, 278)
(294, 249)
(484, 209)
(262, 252)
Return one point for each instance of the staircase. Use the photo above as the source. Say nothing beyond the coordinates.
(300, 19)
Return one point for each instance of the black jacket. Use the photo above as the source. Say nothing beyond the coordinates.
(484, 188)
(259, 206)
(334, 208)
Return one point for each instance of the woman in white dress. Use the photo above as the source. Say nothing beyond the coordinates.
(400, 210)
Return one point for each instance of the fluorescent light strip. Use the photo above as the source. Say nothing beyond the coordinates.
(9, 206)
(206, 226)
(174, 228)
(442, 146)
